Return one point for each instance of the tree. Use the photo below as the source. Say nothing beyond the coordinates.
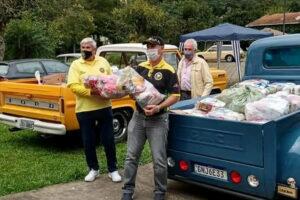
(184, 16)
(51, 10)
(240, 12)
(28, 38)
(74, 24)
(102, 12)
(279, 6)
(10, 9)
(136, 21)
(294, 6)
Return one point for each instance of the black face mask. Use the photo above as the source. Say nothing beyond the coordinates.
(86, 54)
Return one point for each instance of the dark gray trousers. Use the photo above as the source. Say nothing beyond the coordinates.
(155, 130)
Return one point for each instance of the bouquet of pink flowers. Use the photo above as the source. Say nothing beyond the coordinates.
(123, 82)
(105, 85)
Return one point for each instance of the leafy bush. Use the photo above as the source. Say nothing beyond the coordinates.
(28, 38)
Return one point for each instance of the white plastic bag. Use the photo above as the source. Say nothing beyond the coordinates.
(293, 99)
(283, 86)
(150, 96)
(267, 109)
(226, 114)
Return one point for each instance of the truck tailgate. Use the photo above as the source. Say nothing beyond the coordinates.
(228, 140)
(31, 100)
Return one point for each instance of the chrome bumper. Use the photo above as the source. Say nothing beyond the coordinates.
(33, 124)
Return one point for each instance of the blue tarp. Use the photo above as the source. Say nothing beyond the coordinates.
(226, 32)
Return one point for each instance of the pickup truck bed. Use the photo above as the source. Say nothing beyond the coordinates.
(50, 109)
(231, 146)
(247, 159)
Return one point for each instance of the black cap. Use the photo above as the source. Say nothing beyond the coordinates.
(154, 40)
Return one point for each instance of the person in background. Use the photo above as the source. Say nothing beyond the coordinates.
(193, 73)
(151, 123)
(93, 113)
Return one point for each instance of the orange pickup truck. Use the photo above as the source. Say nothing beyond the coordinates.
(50, 108)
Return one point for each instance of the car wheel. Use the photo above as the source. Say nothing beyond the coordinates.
(121, 120)
(229, 58)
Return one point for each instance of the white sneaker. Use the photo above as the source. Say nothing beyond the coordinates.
(115, 176)
(91, 175)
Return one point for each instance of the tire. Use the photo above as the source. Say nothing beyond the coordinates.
(121, 120)
(229, 58)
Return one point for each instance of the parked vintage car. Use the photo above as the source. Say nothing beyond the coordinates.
(26, 68)
(47, 106)
(226, 53)
(68, 58)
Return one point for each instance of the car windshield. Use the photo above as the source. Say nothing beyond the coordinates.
(28, 68)
(55, 67)
(3, 69)
(122, 59)
(125, 58)
(171, 58)
(61, 59)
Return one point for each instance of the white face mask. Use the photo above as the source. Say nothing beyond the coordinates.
(152, 54)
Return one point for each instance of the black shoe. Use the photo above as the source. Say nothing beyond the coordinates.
(127, 196)
(159, 196)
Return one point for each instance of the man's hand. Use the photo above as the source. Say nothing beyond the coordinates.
(132, 96)
(151, 109)
(95, 91)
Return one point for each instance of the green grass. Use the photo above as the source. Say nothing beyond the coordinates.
(28, 161)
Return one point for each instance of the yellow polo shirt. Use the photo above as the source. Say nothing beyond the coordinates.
(79, 69)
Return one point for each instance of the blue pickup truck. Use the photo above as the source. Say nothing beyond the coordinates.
(256, 161)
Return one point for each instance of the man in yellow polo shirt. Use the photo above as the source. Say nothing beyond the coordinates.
(94, 113)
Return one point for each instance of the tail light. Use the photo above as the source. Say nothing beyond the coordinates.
(183, 165)
(235, 177)
(62, 105)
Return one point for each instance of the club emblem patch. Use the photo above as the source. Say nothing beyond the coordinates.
(158, 76)
(102, 70)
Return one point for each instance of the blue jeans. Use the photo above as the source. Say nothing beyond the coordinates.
(155, 130)
(92, 125)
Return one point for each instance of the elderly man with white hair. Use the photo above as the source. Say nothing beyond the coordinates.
(93, 113)
(193, 73)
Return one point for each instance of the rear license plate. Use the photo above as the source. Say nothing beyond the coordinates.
(287, 191)
(210, 171)
(25, 123)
